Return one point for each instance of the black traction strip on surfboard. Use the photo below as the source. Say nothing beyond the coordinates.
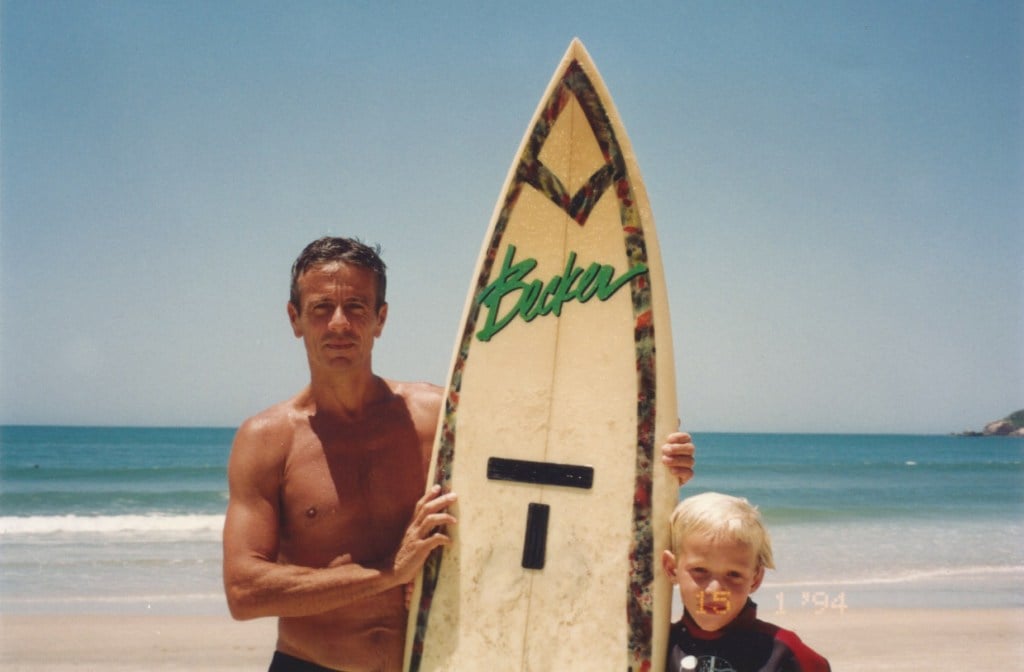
(542, 473)
(535, 545)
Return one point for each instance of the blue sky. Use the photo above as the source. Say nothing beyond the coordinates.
(837, 189)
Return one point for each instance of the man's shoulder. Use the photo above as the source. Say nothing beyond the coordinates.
(417, 394)
(423, 402)
(273, 425)
(407, 388)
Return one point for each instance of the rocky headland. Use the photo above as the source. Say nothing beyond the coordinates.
(1011, 425)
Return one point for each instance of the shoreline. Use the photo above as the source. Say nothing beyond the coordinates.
(857, 640)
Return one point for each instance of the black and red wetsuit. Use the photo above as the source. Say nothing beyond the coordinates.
(745, 645)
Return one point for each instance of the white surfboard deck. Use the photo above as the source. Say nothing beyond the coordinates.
(565, 359)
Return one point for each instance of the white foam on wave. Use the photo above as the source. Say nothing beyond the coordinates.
(114, 599)
(147, 603)
(26, 525)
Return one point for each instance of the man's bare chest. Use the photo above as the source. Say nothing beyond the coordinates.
(349, 498)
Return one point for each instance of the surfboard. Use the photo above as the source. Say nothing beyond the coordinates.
(561, 389)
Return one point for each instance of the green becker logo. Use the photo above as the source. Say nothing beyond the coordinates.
(537, 298)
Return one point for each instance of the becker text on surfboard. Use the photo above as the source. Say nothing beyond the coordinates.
(512, 294)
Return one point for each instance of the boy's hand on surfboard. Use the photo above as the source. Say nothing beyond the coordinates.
(678, 455)
(425, 533)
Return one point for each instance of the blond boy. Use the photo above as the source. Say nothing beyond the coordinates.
(720, 551)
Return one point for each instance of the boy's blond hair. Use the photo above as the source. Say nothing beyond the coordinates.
(722, 517)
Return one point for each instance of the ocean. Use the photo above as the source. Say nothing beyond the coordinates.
(128, 520)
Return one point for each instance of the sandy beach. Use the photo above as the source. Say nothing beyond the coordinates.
(864, 640)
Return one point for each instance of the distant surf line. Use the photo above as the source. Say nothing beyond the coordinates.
(911, 576)
(72, 523)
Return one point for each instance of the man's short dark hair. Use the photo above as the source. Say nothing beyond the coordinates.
(350, 251)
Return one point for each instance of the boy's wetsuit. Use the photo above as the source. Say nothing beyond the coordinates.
(745, 645)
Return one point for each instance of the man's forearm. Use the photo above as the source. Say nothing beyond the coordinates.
(263, 588)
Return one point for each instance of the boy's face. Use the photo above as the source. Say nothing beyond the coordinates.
(714, 578)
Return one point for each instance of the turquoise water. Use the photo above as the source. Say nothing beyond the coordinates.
(103, 471)
(799, 478)
(129, 520)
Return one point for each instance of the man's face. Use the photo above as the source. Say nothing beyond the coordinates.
(338, 320)
(714, 578)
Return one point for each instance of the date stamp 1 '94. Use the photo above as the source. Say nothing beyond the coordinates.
(821, 602)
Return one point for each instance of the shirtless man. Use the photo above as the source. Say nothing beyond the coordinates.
(327, 522)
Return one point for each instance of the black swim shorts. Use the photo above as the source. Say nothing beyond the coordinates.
(282, 662)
